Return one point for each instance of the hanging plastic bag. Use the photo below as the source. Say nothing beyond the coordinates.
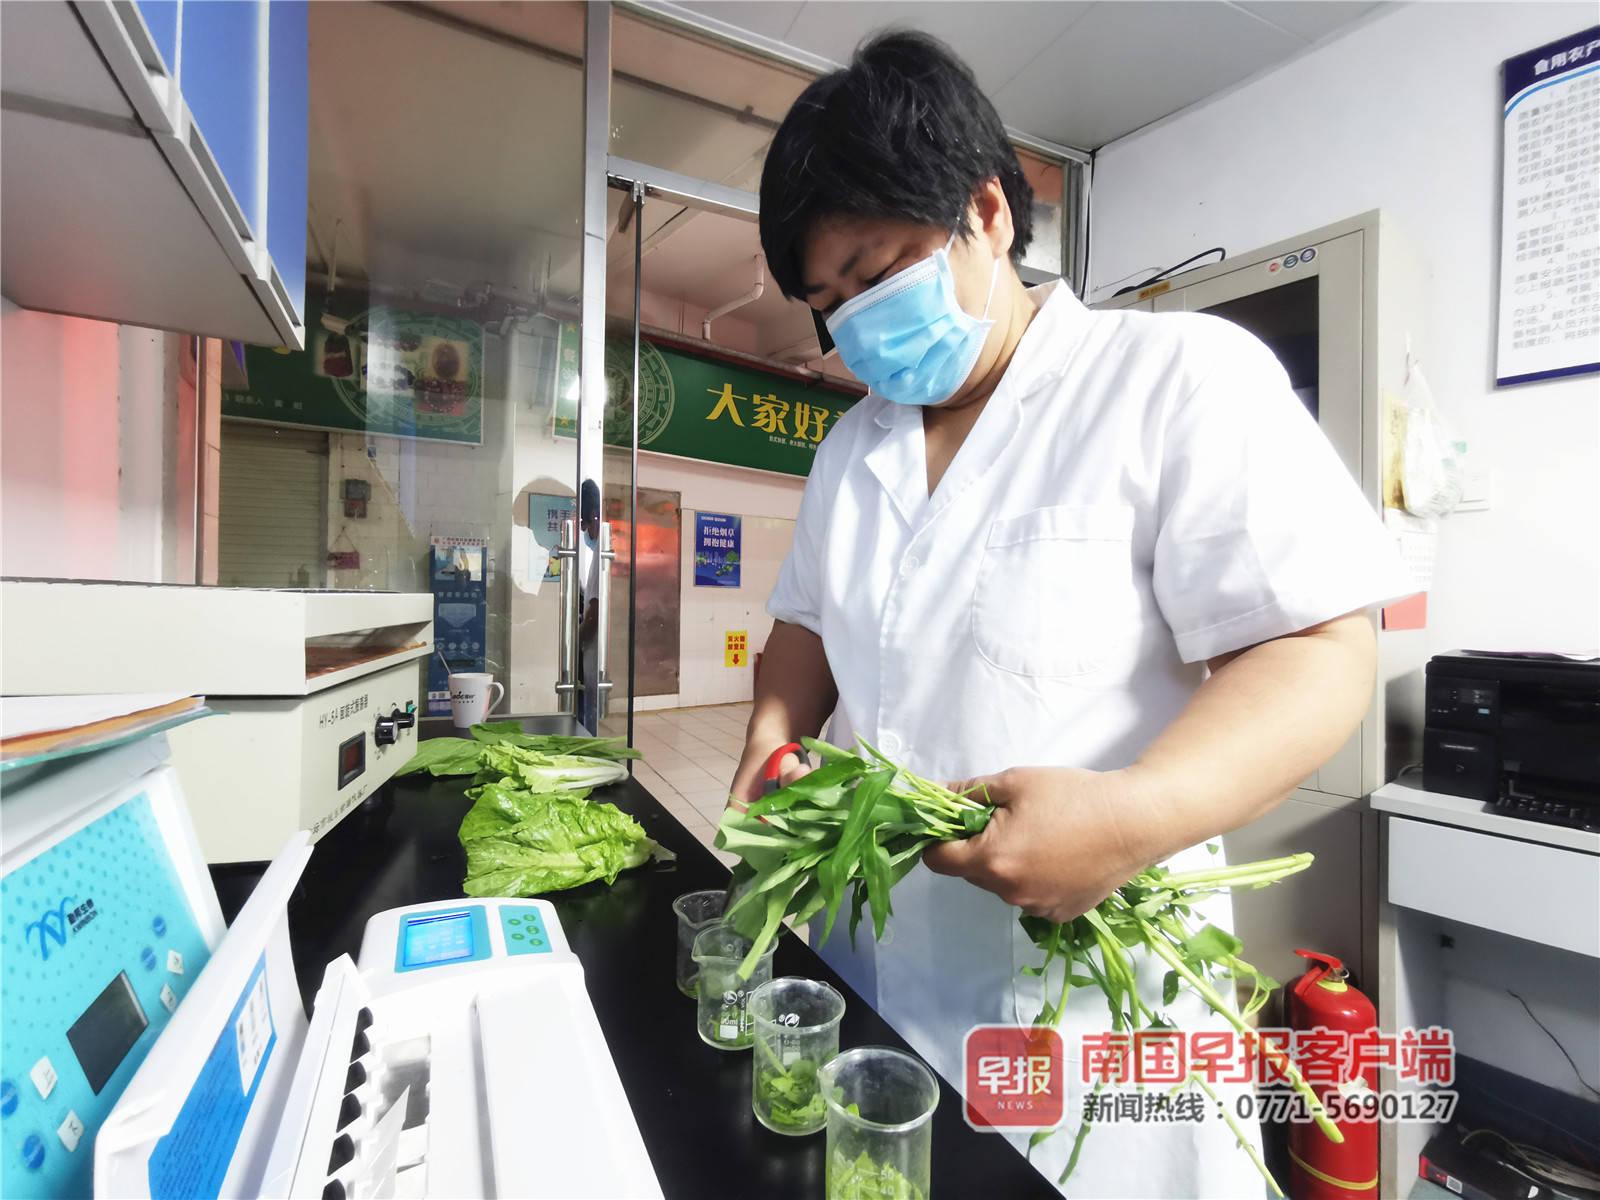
(1431, 472)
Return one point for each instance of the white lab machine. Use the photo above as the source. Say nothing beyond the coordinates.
(319, 690)
(460, 1056)
(109, 917)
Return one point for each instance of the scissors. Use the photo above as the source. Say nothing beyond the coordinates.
(770, 774)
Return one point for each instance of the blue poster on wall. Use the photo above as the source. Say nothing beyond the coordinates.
(716, 550)
(457, 570)
(545, 515)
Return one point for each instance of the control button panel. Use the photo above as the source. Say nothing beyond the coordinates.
(522, 927)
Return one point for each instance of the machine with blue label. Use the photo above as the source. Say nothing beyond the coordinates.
(457, 1056)
(109, 917)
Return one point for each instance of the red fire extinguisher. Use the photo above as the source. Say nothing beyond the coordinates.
(1321, 1169)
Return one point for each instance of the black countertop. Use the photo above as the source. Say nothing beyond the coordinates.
(691, 1103)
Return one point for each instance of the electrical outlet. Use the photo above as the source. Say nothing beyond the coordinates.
(1477, 487)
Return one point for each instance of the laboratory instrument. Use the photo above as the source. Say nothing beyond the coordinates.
(109, 917)
(319, 690)
(458, 1055)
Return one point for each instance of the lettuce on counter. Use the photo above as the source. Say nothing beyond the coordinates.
(506, 742)
(520, 843)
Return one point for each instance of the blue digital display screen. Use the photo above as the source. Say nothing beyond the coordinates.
(437, 939)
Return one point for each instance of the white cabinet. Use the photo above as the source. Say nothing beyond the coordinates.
(1480, 915)
(154, 158)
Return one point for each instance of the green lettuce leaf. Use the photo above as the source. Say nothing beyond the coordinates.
(539, 772)
(523, 843)
(444, 756)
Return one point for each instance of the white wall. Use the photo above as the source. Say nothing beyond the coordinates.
(769, 504)
(88, 412)
(1400, 113)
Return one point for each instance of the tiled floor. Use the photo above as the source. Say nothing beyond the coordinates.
(690, 755)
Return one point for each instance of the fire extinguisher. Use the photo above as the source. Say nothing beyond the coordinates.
(1321, 1169)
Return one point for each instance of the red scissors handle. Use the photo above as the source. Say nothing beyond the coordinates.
(770, 774)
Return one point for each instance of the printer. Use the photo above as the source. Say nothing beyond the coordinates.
(1520, 732)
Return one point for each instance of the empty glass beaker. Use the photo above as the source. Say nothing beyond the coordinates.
(695, 910)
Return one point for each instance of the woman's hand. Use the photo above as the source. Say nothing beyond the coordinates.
(1061, 839)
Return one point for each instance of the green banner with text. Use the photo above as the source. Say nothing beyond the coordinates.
(700, 407)
(370, 370)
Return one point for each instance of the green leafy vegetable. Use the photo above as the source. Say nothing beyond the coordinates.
(511, 733)
(444, 756)
(465, 756)
(539, 772)
(863, 1178)
(788, 1097)
(521, 843)
(861, 822)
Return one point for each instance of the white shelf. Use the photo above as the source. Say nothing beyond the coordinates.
(1403, 800)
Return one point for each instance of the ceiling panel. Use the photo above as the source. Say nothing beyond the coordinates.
(995, 37)
(1124, 65)
(1308, 19)
(769, 18)
(1079, 73)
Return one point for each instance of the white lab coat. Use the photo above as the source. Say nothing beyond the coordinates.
(1141, 493)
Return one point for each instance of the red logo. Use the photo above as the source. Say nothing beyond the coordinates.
(1016, 1077)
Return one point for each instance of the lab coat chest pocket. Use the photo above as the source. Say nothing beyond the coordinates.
(1056, 595)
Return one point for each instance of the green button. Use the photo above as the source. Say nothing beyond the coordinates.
(516, 921)
(536, 941)
(516, 937)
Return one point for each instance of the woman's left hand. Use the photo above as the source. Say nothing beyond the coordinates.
(1060, 841)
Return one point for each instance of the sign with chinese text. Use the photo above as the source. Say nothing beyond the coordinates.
(716, 550)
(736, 650)
(694, 406)
(370, 370)
(1016, 1077)
(545, 514)
(1549, 325)
(458, 570)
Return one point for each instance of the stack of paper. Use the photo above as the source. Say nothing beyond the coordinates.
(33, 728)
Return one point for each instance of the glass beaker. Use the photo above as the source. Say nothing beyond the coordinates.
(796, 1032)
(880, 1129)
(722, 1015)
(695, 910)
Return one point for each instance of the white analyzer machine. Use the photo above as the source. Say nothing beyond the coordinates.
(459, 1056)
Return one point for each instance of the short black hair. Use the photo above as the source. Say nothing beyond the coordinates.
(588, 502)
(902, 133)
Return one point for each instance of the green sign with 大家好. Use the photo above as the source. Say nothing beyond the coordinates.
(370, 370)
(700, 407)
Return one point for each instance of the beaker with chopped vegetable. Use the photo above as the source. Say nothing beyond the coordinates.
(880, 1128)
(796, 1028)
(722, 1015)
(694, 910)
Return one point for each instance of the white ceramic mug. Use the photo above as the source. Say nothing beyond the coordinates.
(469, 697)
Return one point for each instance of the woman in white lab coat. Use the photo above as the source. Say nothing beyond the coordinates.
(1105, 562)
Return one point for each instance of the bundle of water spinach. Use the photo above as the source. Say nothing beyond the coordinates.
(860, 822)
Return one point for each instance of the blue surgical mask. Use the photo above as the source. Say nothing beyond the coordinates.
(907, 337)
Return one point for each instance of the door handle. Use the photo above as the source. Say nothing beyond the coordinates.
(603, 621)
(566, 553)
